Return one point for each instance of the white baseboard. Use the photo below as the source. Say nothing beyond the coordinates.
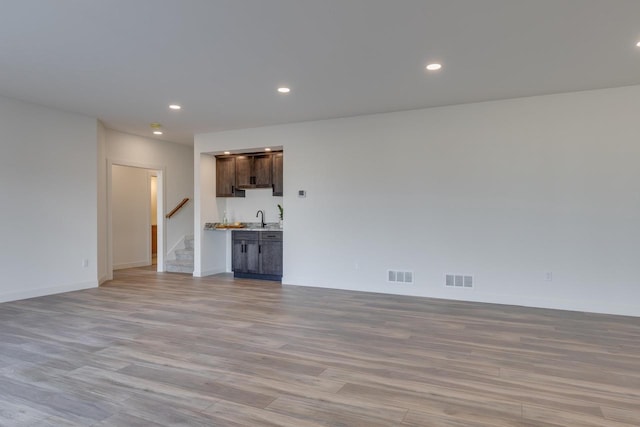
(131, 265)
(102, 279)
(52, 290)
(209, 272)
(600, 307)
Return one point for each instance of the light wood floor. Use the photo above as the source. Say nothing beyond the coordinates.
(151, 349)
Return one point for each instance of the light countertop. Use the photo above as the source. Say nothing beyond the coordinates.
(250, 226)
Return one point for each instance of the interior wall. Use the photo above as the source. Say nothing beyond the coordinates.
(209, 246)
(101, 191)
(130, 206)
(48, 187)
(507, 191)
(176, 160)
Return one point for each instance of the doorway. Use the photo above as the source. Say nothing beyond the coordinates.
(153, 190)
(135, 225)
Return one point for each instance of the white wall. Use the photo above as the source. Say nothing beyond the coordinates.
(244, 209)
(131, 227)
(48, 201)
(176, 161)
(505, 191)
(103, 273)
(210, 247)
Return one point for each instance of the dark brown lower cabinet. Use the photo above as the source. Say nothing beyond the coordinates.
(271, 257)
(257, 254)
(246, 256)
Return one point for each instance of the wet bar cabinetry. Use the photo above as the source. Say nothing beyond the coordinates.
(254, 171)
(226, 178)
(236, 173)
(257, 254)
(278, 167)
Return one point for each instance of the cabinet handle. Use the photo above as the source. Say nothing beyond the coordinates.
(259, 249)
(233, 189)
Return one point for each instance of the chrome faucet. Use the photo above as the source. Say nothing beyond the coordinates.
(262, 223)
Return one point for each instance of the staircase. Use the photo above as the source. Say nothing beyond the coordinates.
(184, 258)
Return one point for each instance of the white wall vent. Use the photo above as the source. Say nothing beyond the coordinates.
(458, 281)
(397, 276)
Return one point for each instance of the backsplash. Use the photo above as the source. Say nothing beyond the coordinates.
(243, 209)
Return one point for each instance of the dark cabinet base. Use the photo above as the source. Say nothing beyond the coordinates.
(271, 277)
(257, 254)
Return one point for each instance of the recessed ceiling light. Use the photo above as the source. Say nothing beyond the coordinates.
(267, 149)
(434, 67)
(638, 44)
(284, 90)
(157, 132)
(227, 152)
(175, 107)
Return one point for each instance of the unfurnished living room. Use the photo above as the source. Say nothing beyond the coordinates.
(311, 213)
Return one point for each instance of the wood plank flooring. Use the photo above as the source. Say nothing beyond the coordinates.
(153, 349)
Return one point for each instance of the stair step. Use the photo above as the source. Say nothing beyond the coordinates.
(184, 254)
(184, 258)
(179, 266)
(188, 242)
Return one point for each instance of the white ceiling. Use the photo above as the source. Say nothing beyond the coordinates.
(124, 61)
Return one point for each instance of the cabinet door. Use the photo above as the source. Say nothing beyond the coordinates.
(225, 176)
(243, 171)
(278, 164)
(262, 169)
(271, 258)
(238, 258)
(252, 255)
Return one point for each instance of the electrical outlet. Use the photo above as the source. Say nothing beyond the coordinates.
(85, 263)
(548, 276)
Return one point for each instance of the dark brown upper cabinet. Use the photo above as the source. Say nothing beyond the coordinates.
(226, 178)
(253, 171)
(238, 172)
(278, 166)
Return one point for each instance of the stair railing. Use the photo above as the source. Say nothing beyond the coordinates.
(177, 208)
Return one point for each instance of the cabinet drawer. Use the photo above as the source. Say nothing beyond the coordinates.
(271, 236)
(245, 235)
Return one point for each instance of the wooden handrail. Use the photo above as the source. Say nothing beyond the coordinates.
(177, 208)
